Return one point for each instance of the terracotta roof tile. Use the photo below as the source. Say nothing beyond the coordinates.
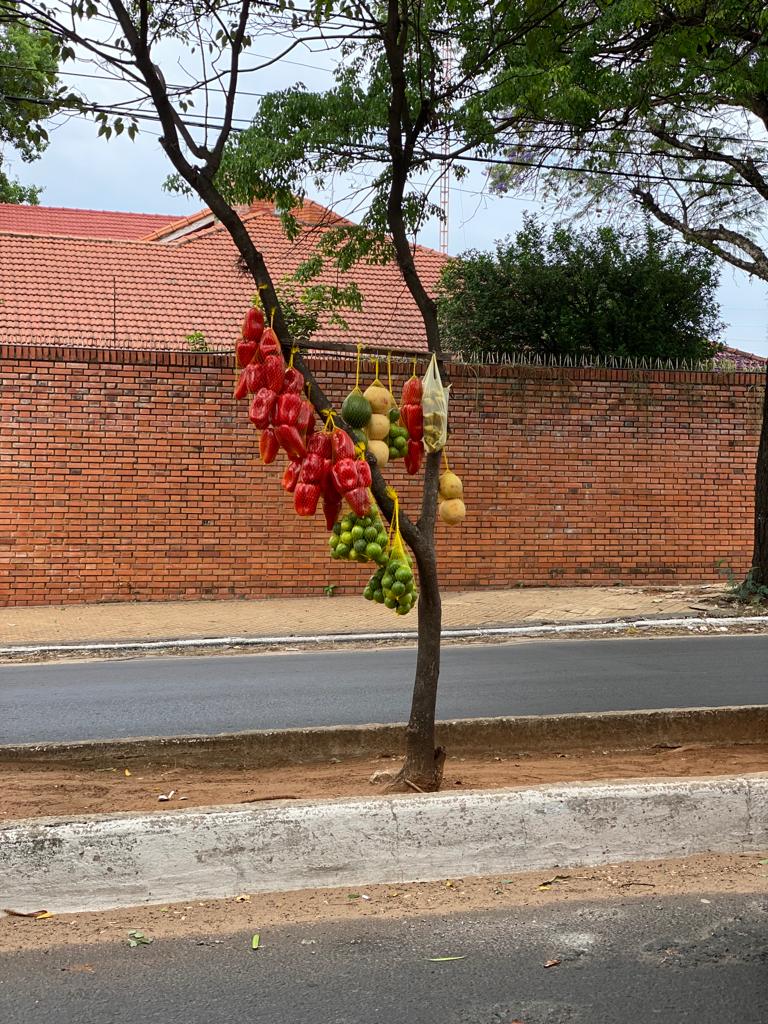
(153, 294)
(65, 222)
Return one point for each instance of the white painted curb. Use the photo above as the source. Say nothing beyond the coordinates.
(123, 860)
(613, 626)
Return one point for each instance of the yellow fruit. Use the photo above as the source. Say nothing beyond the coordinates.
(380, 399)
(450, 486)
(378, 427)
(452, 511)
(380, 451)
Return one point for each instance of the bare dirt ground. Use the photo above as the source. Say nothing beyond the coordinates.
(217, 921)
(32, 791)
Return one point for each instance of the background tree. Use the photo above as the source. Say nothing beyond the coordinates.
(661, 106)
(567, 292)
(389, 111)
(28, 94)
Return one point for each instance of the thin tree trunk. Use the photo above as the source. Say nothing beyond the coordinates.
(423, 766)
(759, 574)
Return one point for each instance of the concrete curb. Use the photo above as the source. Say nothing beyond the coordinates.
(122, 860)
(212, 644)
(614, 730)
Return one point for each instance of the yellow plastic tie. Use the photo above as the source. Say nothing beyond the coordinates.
(394, 523)
(389, 371)
(445, 460)
(376, 380)
(294, 350)
(272, 317)
(357, 374)
(414, 367)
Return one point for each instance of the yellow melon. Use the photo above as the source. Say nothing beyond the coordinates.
(380, 451)
(452, 511)
(450, 486)
(380, 399)
(378, 426)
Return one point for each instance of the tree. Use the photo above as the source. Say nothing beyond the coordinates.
(662, 106)
(390, 109)
(28, 91)
(600, 293)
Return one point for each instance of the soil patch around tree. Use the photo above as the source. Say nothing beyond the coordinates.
(28, 791)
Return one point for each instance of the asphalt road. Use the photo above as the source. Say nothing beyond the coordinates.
(668, 960)
(207, 695)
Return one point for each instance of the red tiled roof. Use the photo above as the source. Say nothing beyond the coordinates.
(740, 357)
(153, 294)
(63, 222)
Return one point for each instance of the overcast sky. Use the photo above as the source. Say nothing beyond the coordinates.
(81, 170)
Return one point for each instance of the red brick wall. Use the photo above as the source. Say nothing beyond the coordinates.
(134, 475)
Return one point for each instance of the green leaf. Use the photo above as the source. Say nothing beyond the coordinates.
(256, 941)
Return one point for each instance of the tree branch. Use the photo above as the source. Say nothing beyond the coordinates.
(710, 238)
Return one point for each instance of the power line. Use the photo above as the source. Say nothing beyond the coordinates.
(137, 115)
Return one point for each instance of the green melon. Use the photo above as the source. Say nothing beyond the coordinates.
(356, 409)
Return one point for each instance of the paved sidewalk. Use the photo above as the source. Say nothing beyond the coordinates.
(181, 620)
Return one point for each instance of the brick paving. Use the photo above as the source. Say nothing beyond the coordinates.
(176, 620)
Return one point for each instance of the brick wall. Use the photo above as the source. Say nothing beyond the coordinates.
(134, 475)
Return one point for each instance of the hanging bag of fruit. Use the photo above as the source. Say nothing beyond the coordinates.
(393, 585)
(356, 409)
(434, 402)
(451, 509)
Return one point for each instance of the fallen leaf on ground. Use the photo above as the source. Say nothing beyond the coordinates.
(763, 861)
(127, 774)
(244, 898)
(353, 895)
(37, 914)
(256, 941)
(138, 939)
(445, 959)
(79, 969)
(164, 797)
(549, 882)
(553, 963)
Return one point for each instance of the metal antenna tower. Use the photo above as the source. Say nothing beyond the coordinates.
(445, 177)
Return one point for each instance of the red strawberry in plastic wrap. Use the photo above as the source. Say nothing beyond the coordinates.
(306, 417)
(261, 408)
(413, 457)
(245, 351)
(288, 406)
(291, 476)
(254, 377)
(344, 475)
(342, 444)
(274, 373)
(320, 444)
(253, 325)
(241, 388)
(269, 344)
(331, 506)
(291, 441)
(269, 446)
(305, 499)
(411, 392)
(359, 500)
(294, 380)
